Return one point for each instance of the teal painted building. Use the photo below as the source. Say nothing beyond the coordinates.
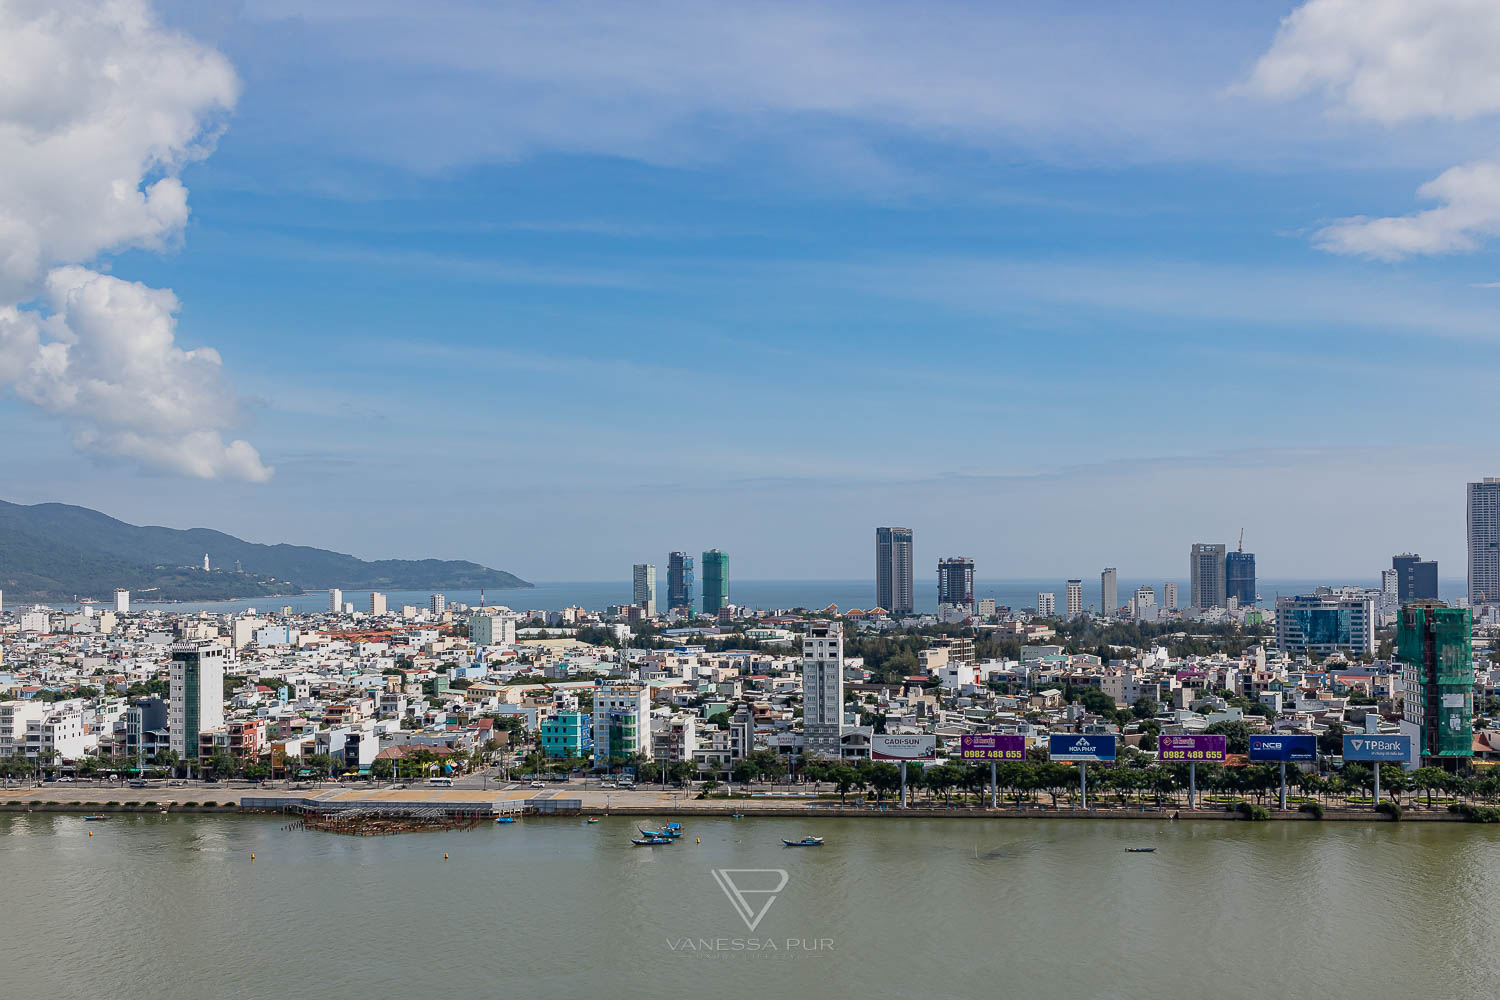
(568, 734)
(715, 570)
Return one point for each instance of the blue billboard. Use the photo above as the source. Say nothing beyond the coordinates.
(1284, 747)
(1382, 748)
(1071, 747)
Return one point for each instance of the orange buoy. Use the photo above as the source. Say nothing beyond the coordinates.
(252, 855)
(445, 855)
(699, 839)
(91, 833)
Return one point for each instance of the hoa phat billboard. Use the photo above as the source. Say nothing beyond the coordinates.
(886, 747)
(1191, 748)
(1070, 747)
(992, 747)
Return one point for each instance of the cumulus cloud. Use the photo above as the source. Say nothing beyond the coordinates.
(100, 108)
(1394, 62)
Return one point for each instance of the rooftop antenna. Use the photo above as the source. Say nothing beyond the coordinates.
(1242, 541)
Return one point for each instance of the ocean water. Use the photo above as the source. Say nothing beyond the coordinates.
(764, 594)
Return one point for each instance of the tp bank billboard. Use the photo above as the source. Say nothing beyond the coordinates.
(885, 747)
(1381, 748)
(1192, 748)
(992, 747)
(1286, 747)
(1069, 747)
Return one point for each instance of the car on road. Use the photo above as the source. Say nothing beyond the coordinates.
(608, 784)
(67, 777)
(538, 784)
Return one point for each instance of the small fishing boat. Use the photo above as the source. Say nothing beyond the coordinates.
(505, 819)
(593, 819)
(805, 842)
(666, 834)
(95, 819)
(1140, 850)
(651, 841)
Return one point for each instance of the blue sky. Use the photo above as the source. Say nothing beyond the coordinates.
(561, 287)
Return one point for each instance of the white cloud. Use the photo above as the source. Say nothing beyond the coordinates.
(100, 108)
(1390, 61)
(1395, 62)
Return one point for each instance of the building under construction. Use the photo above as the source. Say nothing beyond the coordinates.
(1435, 648)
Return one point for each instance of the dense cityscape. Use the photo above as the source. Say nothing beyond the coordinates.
(681, 686)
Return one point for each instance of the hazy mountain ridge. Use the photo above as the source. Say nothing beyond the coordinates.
(52, 551)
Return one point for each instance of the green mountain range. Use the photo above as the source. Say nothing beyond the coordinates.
(54, 551)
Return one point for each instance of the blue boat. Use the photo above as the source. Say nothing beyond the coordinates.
(668, 833)
(505, 819)
(652, 842)
(805, 842)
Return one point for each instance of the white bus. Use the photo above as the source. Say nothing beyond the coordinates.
(444, 782)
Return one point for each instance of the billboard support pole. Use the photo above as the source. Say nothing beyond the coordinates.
(1083, 782)
(903, 784)
(993, 788)
(1377, 784)
(1283, 786)
(1192, 785)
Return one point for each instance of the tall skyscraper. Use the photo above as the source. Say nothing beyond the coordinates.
(1416, 579)
(1239, 578)
(195, 695)
(1206, 573)
(1437, 672)
(643, 587)
(715, 581)
(1109, 592)
(823, 689)
(893, 571)
(1075, 598)
(956, 583)
(1169, 595)
(679, 580)
(377, 603)
(335, 600)
(437, 604)
(122, 601)
(1390, 587)
(1484, 542)
(1046, 603)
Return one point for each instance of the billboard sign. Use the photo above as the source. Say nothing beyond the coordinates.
(1072, 747)
(1192, 748)
(1381, 748)
(886, 747)
(1284, 747)
(991, 748)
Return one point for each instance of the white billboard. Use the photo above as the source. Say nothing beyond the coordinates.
(886, 747)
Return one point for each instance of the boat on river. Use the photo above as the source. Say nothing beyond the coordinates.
(652, 841)
(1140, 850)
(804, 842)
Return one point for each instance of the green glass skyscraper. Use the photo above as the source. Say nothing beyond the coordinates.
(1437, 671)
(715, 572)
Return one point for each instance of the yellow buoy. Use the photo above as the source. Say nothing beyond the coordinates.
(699, 839)
(445, 855)
(91, 833)
(252, 855)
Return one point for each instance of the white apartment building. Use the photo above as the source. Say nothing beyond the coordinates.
(377, 603)
(622, 721)
(36, 621)
(195, 695)
(61, 730)
(437, 604)
(492, 630)
(823, 689)
(335, 600)
(14, 718)
(1075, 598)
(122, 601)
(1046, 603)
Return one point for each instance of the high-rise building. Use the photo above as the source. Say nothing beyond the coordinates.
(1046, 603)
(956, 583)
(1109, 592)
(1390, 587)
(893, 571)
(122, 601)
(1417, 579)
(643, 588)
(1075, 598)
(1437, 673)
(1239, 578)
(335, 600)
(437, 604)
(622, 722)
(1169, 595)
(679, 581)
(1206, 574)
(1330, 620)
(823, 690)
(195, 694)
(377, 603)
(1143, 604)
(205, 563)
(715, 581)
(1484, 542)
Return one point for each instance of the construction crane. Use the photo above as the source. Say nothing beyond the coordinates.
(1242, 541)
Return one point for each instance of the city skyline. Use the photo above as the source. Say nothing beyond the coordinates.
(735, 219)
